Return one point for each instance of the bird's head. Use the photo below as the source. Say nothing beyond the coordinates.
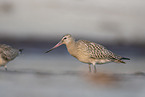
(65, 40)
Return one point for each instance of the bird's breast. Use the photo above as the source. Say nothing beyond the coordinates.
(2, 61)
(81, 56)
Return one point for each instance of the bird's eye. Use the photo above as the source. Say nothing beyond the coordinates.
(64, 37)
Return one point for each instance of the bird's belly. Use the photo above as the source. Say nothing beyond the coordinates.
(91, 60)
(83, 56)
(101, 61)
(84, 59)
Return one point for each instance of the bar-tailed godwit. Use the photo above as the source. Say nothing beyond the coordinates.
(89, 52)
(7, 53)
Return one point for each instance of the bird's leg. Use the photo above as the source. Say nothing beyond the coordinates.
(89, 67)
(5, 67)
(95, 70)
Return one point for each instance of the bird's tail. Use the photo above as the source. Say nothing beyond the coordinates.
(20, 50)
(117, 60)
(123, 58)
(120, 60)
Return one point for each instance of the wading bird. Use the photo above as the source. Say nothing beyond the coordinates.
(88, 52)
(7, 53)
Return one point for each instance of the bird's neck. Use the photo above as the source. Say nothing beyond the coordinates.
(71, 47)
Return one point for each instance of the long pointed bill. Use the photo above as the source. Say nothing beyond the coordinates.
(57, 45)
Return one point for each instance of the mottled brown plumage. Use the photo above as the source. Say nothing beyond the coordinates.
(89, 52)
(7, 53)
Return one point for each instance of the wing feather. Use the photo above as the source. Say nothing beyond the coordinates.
(98, 51)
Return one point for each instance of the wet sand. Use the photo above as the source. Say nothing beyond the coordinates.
(41, 75)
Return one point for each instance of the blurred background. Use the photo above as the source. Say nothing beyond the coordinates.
(37, 25)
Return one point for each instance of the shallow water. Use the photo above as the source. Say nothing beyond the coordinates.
(64, 76)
